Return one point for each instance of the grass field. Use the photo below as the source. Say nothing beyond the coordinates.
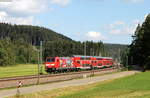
(19, 70)
(136, 86)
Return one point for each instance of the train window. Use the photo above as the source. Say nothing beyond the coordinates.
(104, 62)
(99, 58)
(85, 58)
(78, 62)
(100, 64)
(68, 61)
(50, 59)
(92, 61)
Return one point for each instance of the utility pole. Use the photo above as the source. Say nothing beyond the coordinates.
(85, 48)
(127, 62)
(84, 53)
(100, 54)
(119, 56)
(93, 52)
(39, 62)
(38, 78)
(41, 56)
(131, 60)
(90, 51)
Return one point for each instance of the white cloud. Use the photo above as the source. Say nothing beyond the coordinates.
(23, 11)
(24, 7)
(126, 30)
(4, 17)
(60, 2)
(3, 14)
(133, 1)
(114, 24)
(119, 23)
(95, 36)
(120, 27)
(21, 20)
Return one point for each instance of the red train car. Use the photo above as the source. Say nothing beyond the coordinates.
(54, 64)
(82, 62)
(92, 62)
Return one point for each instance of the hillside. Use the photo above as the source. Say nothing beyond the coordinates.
(30, 34)
(19, 44)
(115, 49)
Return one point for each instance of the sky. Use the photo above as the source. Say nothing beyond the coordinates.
(109, 21)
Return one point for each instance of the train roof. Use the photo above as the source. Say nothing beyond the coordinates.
(85, 57)
(65, 57)
(92, 56)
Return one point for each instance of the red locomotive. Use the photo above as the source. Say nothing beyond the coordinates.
(58, 64)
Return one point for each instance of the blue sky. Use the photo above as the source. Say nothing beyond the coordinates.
(111, 21)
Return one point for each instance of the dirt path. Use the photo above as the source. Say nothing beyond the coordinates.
(85, 81)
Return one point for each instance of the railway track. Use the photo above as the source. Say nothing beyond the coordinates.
(50, 75)
(27, 80)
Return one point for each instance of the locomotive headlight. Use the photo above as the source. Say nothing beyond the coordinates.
(52, 64)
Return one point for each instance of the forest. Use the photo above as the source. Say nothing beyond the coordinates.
(138, 53)
(19, 44)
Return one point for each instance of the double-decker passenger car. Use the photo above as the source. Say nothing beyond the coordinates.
(59, 64)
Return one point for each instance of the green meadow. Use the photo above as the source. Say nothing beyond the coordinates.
(19, 70)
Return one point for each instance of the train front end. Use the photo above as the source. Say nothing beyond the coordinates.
(50, 64)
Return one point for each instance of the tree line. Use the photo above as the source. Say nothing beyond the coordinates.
(67, 48)
(138, 53)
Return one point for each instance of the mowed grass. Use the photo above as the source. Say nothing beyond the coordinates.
(19, 70)
(136, 86)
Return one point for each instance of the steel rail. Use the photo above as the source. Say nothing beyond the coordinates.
(51, 75)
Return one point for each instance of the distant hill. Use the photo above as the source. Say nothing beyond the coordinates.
(30, 34)
(115, 49)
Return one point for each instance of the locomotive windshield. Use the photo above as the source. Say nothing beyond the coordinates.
(50, 60)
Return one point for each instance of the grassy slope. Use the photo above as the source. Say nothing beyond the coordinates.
(132, 86)
(18, 70)
(137, 86)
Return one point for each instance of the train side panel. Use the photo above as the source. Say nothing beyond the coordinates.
(75, 63)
